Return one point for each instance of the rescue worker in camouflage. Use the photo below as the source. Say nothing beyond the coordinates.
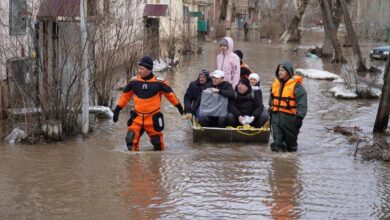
(288, 107)
(146, 89)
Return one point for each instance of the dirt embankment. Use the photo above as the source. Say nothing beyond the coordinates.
(370, 148)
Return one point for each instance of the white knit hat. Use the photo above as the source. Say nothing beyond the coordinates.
(218, 74)
(254, 76)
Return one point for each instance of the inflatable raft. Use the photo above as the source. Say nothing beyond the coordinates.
(244, 134)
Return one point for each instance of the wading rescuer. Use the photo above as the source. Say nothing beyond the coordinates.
(146, 89)
(288, 107)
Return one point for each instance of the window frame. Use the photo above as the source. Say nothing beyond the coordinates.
(20, 26)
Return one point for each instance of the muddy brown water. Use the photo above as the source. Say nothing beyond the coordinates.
(97, 178)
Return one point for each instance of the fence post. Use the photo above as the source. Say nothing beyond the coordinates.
(4, 99)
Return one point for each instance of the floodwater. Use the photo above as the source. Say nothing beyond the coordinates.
(97, 178)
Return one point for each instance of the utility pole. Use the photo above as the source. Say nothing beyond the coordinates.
(170, 25)
(84, 67)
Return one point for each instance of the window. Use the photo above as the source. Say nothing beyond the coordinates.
(21, 82)
(17, 17)
(186, 12)
(19, 70)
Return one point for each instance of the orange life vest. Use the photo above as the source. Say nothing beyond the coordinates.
(285, 101)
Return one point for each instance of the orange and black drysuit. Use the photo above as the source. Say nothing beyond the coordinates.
(146, 116)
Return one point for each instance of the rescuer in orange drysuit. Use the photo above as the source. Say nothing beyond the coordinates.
(147, 89)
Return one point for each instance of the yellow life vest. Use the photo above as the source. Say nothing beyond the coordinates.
(285, 101)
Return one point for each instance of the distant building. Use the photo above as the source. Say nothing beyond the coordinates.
(238, 13)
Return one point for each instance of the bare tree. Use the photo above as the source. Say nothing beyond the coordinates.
(331, 29)
(293, 34)
(223, 14)
(275, 17)
(116, 50)
(171, 46)
(382, 116)
(373, 21)
(352, 37)
(220, 13)
(53, 87)
(327, 46)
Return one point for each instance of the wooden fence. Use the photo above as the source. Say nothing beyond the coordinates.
(4, 98)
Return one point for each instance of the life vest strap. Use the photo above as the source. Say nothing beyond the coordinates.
(282, 98)
(288, 107)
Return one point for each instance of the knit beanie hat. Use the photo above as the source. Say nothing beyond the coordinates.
(244, 72)
(223, 42)
(254, 76)
(246, 82)
(205, 73)
(146, 62)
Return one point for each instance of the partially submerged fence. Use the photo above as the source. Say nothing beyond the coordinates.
(4, 98)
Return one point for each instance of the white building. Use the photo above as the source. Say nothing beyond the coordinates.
(13, 32)
(14, 50)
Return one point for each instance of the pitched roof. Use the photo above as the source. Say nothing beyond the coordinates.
(157, 10)
(59, 8)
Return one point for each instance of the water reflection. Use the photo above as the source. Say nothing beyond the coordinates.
(285, 188)
(143, 193)
(383, 189)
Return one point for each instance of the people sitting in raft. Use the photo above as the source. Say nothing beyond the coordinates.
(246, 108)
(214, 101)
(254, 79)
(194, 92)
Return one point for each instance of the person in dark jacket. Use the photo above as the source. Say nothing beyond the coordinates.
(288, 107)
(246, 104)
(194, 92)
(254, 79)
(220, 87)
(245, 71)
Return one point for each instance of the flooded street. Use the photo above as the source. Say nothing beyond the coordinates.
(97, 178)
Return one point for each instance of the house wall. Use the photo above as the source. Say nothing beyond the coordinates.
(193, 20)
(174, 22)
(10, 46)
